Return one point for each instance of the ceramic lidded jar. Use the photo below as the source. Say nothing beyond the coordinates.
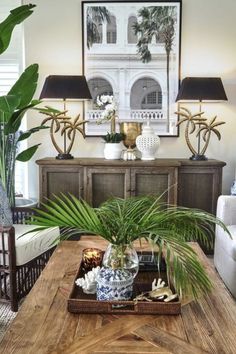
(114, 284)
(148, 143)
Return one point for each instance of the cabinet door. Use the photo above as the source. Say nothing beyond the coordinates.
(103, 183)
(199, 187)
(57, 179)
(155, 181)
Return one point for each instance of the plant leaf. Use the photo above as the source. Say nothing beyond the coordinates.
(16, 16)
(29, 132)
(14, 121)
(26, 85)
(27, 154)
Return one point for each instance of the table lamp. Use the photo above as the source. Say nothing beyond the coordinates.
(200, 89)
(64, 87)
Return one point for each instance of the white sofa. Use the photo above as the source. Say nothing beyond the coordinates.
(30, 245)
(225, 247)
(23, 256)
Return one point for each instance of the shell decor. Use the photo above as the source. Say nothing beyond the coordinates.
(89, 282)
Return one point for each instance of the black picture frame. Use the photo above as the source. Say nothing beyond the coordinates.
(112, 34)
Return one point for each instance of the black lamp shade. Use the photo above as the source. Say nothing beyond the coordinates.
(66, 87)
(201, 89)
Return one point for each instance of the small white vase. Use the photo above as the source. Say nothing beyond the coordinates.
(112, 151)
(148, 143)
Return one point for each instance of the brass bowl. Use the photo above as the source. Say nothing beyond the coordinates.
(131, 130)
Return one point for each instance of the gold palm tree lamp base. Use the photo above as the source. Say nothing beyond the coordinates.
(204, 131)
(63, 125)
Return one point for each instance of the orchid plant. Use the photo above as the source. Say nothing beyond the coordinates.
(109, 106)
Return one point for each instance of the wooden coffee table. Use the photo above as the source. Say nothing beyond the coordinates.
(43, 324)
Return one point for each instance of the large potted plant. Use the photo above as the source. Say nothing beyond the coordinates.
(122, 221)
(13, 107)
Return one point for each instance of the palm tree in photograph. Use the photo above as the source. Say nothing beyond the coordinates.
(95, 16)
(157, 23)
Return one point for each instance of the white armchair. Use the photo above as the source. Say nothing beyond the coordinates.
(225, 247)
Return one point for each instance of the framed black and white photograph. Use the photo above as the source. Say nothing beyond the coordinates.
(131, 51)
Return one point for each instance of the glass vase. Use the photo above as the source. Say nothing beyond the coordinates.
(122, 256)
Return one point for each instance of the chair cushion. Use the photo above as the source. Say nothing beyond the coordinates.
(228, 244)
(33, 244)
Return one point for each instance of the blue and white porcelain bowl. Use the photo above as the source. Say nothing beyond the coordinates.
(114, 284)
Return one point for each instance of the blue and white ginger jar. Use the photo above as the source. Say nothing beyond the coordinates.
(114, 284)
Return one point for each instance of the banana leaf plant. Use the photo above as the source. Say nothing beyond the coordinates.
(122, 221)
(13, 106)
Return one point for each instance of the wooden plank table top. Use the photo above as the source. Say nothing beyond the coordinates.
(43, 324)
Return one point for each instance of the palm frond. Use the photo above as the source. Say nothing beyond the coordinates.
(121, 221)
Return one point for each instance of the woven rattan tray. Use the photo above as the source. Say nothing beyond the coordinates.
(78, 302)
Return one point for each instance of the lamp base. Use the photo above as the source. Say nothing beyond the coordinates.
(64, 157)
(198, 158)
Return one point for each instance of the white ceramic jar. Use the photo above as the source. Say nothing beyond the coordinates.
(148, 143)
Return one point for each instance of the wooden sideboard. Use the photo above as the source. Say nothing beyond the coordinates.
(187, 183)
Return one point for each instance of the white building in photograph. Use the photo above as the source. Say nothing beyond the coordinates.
(113, 66)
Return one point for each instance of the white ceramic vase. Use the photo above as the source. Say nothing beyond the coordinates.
(148, 143)
(112, 151)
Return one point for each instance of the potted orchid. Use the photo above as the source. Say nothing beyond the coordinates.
(113, 139)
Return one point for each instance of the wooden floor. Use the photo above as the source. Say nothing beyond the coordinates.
(43, 324)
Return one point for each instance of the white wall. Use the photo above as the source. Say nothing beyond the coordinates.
(53, 40)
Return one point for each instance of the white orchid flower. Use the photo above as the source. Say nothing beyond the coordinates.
(107, 103)
(109, 107)
(99, 103)
(110, 99)
(104, 99)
